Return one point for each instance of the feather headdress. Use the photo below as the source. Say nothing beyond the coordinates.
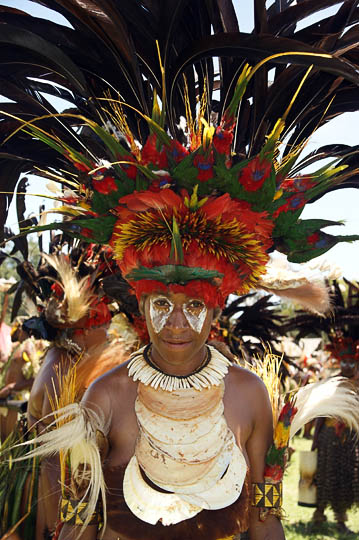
(67, 289)
(197, 204)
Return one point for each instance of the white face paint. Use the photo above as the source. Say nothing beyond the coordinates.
(195, 312)
(160, 310)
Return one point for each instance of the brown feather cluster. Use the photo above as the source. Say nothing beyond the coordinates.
(311, 296)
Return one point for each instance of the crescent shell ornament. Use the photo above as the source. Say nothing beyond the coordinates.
(150, 505)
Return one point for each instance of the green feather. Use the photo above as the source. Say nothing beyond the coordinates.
(299, 252)
(172, 273)
(176, 244)
(241, 87)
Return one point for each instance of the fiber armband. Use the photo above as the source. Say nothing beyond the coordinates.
(72, 512)
(267, 495)
(268, 498)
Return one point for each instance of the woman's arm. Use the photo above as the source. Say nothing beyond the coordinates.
(95, 399)
(257, 446)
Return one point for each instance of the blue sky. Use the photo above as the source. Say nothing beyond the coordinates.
(342, 205)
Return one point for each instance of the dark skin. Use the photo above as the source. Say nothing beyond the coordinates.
(15, 380)
(178, 349)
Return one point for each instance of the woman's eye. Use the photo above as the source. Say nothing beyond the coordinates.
(195, 304)
(162, 304)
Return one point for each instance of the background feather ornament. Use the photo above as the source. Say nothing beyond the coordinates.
(335, 398)
(76, 294)
(305, 284)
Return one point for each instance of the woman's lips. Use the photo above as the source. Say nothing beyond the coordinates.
(176, 343)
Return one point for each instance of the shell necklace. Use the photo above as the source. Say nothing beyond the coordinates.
(212, 371)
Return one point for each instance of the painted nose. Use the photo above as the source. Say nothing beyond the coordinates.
(177, 319)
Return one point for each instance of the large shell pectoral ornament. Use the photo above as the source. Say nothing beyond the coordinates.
(190, 453)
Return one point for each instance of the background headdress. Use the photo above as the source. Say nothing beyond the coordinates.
(191, 172)
(65, 288)
(251, 326)
(340, 328)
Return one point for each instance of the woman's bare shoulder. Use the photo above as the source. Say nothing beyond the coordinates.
(111, 387)
(114, 377)
(242, 376)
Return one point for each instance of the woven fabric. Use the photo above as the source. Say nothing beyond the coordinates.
(337, 476)
(265, 495)
(72, 512)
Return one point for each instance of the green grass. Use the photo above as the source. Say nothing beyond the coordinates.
(298, 524)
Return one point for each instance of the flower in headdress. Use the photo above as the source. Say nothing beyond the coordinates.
(255, 173)
(177, 151)
(129, 170)
(150, 153)
(204, 164)
(298, 184)
(222, 140)
(295, 202)
(104, 184)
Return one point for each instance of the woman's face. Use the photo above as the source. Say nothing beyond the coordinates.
(178, 326)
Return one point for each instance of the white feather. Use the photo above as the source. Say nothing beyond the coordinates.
(335, 398)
